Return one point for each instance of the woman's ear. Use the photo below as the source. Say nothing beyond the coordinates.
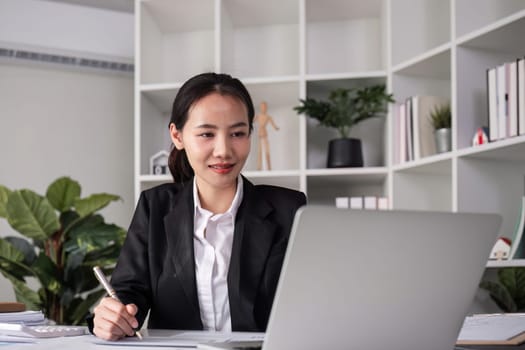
(176, 137)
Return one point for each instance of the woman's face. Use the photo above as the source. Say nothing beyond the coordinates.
(216, 138)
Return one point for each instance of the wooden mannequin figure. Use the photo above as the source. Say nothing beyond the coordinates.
(262, 119)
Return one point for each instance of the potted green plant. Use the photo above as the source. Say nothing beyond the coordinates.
(508, 291)
(345, 108)
(441, 119)
(62, 239)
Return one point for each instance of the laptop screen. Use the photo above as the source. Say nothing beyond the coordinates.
(378, 279)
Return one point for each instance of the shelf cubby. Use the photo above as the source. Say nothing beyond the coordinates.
(491, 184)
(284, 143)
(418, 26)
(163, 39)
(323, 186)
(260, 39)
(337, 29)
(475, 56)
(425, 186)
(371, 131)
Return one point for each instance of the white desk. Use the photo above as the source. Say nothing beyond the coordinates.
(86, 343)
(167, 339)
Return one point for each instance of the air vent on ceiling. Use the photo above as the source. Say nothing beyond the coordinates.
(70, 61)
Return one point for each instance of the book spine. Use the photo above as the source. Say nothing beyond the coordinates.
(521, 96)
(512, 84)
(492, 103)
(502, 102)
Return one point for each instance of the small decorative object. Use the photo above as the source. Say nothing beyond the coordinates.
(441, 119)
(481, 136)
(62, 237)
(344, 109)
(508, 292)
(342, 202)
(263, 148)
(501, 249)
(158, 163)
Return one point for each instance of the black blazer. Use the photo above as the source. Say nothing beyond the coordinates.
(156, 267)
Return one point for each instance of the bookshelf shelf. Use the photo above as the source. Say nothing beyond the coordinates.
(431, 163)
(511, 149)
(506, 263)
(433, 63)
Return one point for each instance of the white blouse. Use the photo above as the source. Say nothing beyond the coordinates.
(212, 241)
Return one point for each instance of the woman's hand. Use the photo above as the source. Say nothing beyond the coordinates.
(114, 320)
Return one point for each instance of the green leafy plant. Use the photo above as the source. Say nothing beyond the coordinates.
(508, 292)
(441, 117)
(347, 107)
(64, 238)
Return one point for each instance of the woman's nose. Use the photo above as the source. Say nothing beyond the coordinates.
(222, 147)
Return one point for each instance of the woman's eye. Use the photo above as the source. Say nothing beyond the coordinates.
(239, 134)
(206, 134)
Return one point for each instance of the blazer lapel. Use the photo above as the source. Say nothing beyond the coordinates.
(252, 242)
(179, 230)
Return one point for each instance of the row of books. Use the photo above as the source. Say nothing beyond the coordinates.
(362, 202)
(413, 130)
(506, 100)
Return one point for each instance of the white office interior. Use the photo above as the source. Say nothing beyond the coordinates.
(61, 119)
(57, 120)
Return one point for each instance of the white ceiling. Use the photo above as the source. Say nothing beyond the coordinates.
(115, 5)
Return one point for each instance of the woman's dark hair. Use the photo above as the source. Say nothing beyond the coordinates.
(192, 91)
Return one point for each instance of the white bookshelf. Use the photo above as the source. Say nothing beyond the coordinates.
(284, 50)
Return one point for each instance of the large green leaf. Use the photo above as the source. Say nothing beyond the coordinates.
(93, 203)
(103, 256)
(12, 261)
(513, 278)
(500, 295)
(71, 269)
(14, 269)
(26, 295)
(63, 193)
(77, 314)
(25, 247)
(10, 252)
(92, 234)
(48, 273)
(31, 214)
(69, 219)
(4, 193)
(82, 280)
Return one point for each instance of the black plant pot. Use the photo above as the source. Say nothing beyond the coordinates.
(343, 153)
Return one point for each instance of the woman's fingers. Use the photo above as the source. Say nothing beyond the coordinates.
(113, 320)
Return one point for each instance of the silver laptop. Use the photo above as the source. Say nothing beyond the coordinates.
(378, 280)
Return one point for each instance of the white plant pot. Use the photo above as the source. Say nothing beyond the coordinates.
(443, 139)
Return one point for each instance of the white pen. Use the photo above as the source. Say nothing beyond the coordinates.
(109, 289)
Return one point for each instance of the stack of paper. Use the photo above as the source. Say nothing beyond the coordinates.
(25, 317)
(498, 329)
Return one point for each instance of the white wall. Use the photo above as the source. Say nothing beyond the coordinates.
(56, 122)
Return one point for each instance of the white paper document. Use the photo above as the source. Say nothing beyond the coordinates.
(492, 327)
(182, 339)
(26, 317)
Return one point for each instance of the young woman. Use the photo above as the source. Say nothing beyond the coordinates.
(206, 251)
